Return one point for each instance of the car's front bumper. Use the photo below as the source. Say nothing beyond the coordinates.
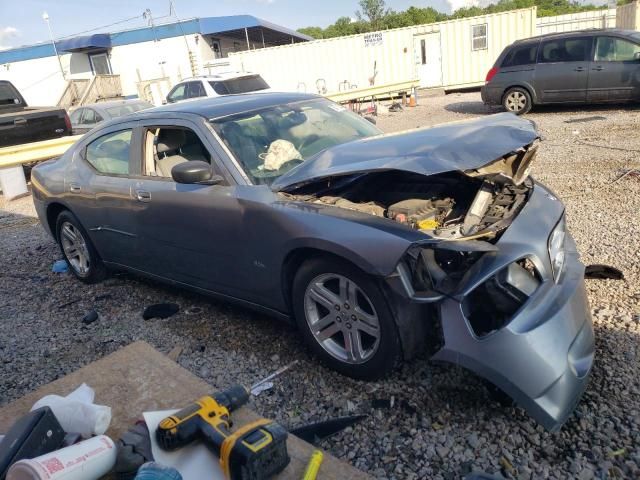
(543, 355)
(542, 358)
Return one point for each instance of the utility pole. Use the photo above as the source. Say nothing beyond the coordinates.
(45, 17)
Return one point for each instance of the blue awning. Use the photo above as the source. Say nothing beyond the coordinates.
(99, 41)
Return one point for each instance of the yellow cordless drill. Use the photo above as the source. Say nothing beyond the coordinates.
(255, 451)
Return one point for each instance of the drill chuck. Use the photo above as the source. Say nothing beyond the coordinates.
(233, 397)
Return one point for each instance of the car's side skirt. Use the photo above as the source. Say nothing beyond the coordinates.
(210, 293)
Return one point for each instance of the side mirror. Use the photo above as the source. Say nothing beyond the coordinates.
(636, 56)
(195, 171)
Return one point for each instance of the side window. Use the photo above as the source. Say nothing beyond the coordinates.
(610, 49)
(196, 90)
(110, 153)
(89, 117)
(521, 55)
(219, 87)
(167, 147)
(75, 116)
(178, 93)
(565, 50)
(479, 37)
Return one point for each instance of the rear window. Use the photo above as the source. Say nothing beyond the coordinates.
(521, 55)
(565, 50)
(8, 94)
(239, 85)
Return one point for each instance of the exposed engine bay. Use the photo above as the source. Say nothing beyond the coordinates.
(448, 206)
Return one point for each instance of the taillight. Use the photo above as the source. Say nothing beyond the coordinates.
(67, 121)
(491, 73)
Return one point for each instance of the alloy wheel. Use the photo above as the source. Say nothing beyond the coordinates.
(75, 248)
(516, 101)
(342, 318)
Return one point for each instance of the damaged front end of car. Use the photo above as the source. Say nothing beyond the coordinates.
(510, 311)
(491, 280)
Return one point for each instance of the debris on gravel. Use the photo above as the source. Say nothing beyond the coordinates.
(425, 420)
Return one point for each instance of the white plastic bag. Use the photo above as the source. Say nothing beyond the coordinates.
(77, 413)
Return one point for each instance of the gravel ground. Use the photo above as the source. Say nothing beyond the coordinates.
(426, 420)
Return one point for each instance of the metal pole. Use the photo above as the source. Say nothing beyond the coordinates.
(262, 33)
(45, 17)
(246, 34)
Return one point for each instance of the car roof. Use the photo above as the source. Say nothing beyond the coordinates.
(112, 103)
(224, 105)
(579, 33)
(220, 76)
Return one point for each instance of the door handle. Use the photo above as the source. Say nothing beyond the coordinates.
(20, 121)
(599, 68)
(143, 196)
(74, 188)
(579, 69)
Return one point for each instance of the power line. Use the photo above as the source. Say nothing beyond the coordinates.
(103, 26)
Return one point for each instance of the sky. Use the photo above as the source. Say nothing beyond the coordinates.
(68, 17)
(24, 25)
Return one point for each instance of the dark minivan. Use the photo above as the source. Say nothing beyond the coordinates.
(588, 66)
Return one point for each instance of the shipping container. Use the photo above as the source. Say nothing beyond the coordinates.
(603, 18)
(452, 54)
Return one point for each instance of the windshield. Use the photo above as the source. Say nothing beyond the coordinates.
(269, 142)
(252, 83)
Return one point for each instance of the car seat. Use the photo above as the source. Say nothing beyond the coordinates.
(168, 146)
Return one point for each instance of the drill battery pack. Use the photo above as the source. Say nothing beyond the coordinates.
(256, 451)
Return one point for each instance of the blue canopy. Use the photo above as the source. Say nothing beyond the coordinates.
(89, 42)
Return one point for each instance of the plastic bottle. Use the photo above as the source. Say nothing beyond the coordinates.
(88, 460)
(156, 471)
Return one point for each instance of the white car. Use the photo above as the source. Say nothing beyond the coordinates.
(217, 85)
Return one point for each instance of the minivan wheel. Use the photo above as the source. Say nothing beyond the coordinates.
(517, 100)
(80, 254)
(345, 319)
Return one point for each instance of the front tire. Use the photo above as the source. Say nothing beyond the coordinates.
(345, 319)
(80, 254)
(517, 100)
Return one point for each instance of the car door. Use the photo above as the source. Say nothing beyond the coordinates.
(98, 186)
(614, 73)
(190, 234)
(562, 70)
(89, 119)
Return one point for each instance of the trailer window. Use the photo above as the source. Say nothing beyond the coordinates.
(479, 37)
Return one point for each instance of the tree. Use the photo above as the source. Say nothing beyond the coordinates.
(375, 16)
(315, 32)
(374, 11)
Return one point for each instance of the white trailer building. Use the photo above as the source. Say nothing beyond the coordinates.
(452, 54)
(142, 62)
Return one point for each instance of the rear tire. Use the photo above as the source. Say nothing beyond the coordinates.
(517, 100)
(80, 254)
(345, 320)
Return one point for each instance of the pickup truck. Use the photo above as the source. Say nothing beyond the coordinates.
(20, 123)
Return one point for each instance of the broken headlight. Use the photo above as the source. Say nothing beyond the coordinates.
(556, 248)
(492, 304)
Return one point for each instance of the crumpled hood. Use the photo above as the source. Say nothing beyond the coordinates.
(461, 146)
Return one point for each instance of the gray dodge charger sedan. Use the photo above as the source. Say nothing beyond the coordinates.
(377, 246)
